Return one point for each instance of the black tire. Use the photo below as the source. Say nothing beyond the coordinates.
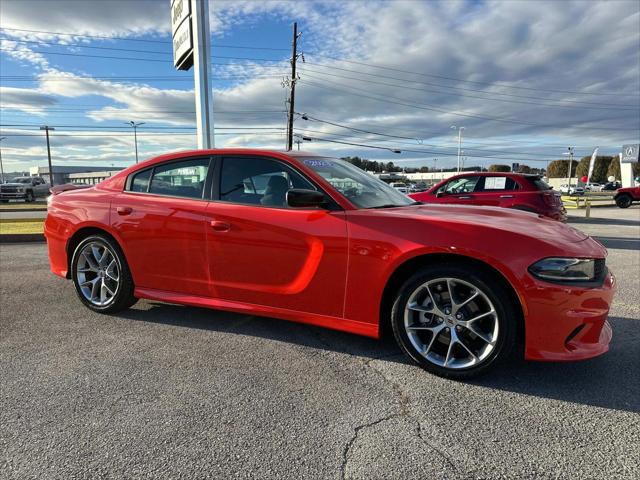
(123, 297)
(624, 200)
(4, 201)
(30, 198)
(506, 317)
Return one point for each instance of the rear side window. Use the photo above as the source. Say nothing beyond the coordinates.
(185, 178)
(140, 181)
(540, 184)
(493, 184)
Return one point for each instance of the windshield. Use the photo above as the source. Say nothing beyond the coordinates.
(22, 180)
(359, 187)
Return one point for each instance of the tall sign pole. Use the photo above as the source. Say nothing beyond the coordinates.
(202, 73)
(192, 48)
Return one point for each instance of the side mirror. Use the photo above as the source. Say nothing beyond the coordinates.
(440, 194)
(301, 197)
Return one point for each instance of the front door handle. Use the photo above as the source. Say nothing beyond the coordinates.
(465, 197)
(506, 196)
(124, 210)
(219, 226)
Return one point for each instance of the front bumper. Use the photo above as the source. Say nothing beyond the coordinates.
(12, 195)
(566, 323)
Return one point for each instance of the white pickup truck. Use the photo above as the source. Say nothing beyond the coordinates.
(24, 188)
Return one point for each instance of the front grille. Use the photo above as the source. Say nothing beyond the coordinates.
(8, 189)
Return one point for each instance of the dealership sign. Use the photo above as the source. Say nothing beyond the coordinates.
(182, 34)
(630, 153)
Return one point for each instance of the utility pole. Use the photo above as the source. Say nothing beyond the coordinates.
(1, 167)
(135, 134)
(46, 129)
(292, 95)
(570, 153)
(459, 143)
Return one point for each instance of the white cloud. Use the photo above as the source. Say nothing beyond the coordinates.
(545, 48)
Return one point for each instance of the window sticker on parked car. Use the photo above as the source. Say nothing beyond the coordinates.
(495, 183)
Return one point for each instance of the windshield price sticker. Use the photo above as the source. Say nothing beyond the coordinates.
(495, 183)
(318, 163)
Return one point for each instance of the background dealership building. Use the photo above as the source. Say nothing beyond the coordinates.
(89, 175)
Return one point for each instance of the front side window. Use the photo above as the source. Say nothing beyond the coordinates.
(185, 178)
(258, 181)
(460, 185)
(359, 187)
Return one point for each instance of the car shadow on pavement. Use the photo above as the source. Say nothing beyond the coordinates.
(610, 381)
(621, 243)
(604, 221)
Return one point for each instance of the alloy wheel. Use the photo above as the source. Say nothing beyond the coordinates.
(451, 323)
(98, 273)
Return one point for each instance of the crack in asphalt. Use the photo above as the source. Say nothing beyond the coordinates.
(403, 401)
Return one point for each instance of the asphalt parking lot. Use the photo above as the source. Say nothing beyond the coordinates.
(177, 392)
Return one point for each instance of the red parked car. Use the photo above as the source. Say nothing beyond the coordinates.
(624, 197)
(317, 240)
(511, 190)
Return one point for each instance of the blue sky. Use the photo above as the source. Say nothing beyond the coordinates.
(525, 79)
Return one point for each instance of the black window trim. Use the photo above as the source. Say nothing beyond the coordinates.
(332, 205)
(207, 183)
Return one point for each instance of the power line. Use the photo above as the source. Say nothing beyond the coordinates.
(456, 94)
(470, 81)
(468, 115)
(359, 72)
(128, 39)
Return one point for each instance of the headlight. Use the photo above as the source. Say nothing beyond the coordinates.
(559, 269)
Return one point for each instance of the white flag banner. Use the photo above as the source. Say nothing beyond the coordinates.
(592, 163)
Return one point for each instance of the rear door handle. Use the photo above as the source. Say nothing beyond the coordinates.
(506, 196)
(124, 210)
(465, 197)
(219, 226)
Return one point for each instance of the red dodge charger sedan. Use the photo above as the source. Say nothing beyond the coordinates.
(316, 240)
(510, 190)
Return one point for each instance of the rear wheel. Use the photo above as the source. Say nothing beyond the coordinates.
(101, 275)
(624, 200)
(454, 321)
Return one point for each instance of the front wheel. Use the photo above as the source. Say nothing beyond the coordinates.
(454, 321)
(624, 200)
(101, 275)
(30, 198)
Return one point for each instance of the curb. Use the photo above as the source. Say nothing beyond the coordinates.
(22, 238)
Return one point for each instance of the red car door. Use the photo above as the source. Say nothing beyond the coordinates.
(262, 252)
(495, 191)
(161, 217)
(458, 190)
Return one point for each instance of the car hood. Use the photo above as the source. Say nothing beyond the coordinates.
(14, 184)
(505, 219)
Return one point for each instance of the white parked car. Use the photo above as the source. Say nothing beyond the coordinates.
(593, 187)
(401, 187)
(571, 190)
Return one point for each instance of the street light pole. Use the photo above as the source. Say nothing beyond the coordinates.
(1, 167)
(459, 143)
(570, 154)
(46, 129)
(135, 134)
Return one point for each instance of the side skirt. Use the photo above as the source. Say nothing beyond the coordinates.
(335, 323)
